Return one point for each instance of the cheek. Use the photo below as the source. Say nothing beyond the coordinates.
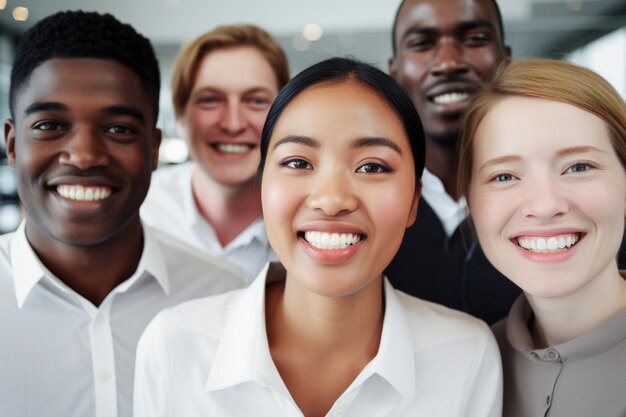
(484, 61)
(390, 206)
(490, 212)
(199, 123)
(279, 200)
(257, 120)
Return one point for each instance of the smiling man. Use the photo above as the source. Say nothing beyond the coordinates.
(82, 277)
(443, 49)
(223, 84)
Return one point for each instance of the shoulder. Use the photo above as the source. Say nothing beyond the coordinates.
(434, 324)
(172, 173)
(203, 317)
(167, 185)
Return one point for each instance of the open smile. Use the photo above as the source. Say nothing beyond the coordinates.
(552, 244)
(452, 97)
(232, 148)
(331, 241)
(84, 193)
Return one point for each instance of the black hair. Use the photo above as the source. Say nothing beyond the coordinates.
(395, 24)
(337, 70)
(79, 34)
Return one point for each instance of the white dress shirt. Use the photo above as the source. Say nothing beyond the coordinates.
(60, 355)
(210, 357)
(171, 208)
(451, 213)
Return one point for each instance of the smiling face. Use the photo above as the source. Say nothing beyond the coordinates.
(83, 145)
(338, 187)
(443, 49)
(225, 113)
(547, 195)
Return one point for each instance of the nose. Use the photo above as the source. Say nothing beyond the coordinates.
(545, 199)
(233, 120)
(449, 59)
(332, 195)
(85, 150)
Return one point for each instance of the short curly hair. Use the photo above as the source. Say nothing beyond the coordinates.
(79, 34)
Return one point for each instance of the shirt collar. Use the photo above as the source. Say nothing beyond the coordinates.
(451, 213)
(243, 353)
(395, 360)
(27, 269)
(600, 339)
(243, 343)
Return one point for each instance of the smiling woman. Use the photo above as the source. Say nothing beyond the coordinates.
(543, 164)
(325, 333)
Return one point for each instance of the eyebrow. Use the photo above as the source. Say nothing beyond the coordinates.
(217, 90)
(460, 27)
(301, 140)
(112, 110)
(376, 141)
(560, 153)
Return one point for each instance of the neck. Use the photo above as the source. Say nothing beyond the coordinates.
(558, 320)
(92, 271)
(442, 161)
(327, 325)
(228, 209)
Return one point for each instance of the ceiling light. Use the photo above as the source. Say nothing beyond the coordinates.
(3, 4)
(312, 32)
(20, 14)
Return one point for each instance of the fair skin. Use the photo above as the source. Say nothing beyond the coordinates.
(357, 185)
(547, 196)
(443, 50)
(222, 123)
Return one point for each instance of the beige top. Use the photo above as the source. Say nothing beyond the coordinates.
(585, 377)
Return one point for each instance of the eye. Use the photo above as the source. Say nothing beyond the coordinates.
(372, 168)
(503, 177)
(477, 39)
(259, 102)
(48, 126)
(120, 130)
(296, 164)
(580, 166)
(420, 45)
(209, 100)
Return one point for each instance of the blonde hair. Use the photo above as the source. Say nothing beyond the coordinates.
(546, 79)
(232, 36)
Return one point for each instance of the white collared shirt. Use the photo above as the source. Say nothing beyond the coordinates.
(62, 356)
(171, 208)
(451, 213)
(210, 357)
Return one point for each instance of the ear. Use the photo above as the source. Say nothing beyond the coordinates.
(9, 136)
(181, 128)
(156, 144)
(507, 53)
(414, 205)
(393, 67)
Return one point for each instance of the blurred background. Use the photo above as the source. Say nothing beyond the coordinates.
(589, 32)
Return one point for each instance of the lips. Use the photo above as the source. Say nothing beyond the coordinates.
(449, 93)
(232, 148)
(84, 193)
(331, 241)
(548, 244)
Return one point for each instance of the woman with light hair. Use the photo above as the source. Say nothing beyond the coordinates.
(543, 166)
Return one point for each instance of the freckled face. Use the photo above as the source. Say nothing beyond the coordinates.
(547, 195)
(225, 113)
(338, 188)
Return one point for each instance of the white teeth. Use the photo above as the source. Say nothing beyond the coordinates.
(552, 244)
(448, 98)
(323, 240)
(233, 148)
(82, 193)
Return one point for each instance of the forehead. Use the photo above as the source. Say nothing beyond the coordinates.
(240, 66)
(444, 14)
(338, 111)
(538, 126)
(84, 83)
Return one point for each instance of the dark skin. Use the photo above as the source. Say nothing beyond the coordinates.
(83, 144)
(443, 50)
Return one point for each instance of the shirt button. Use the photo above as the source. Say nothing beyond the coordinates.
(552, 355)
(104, 376)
